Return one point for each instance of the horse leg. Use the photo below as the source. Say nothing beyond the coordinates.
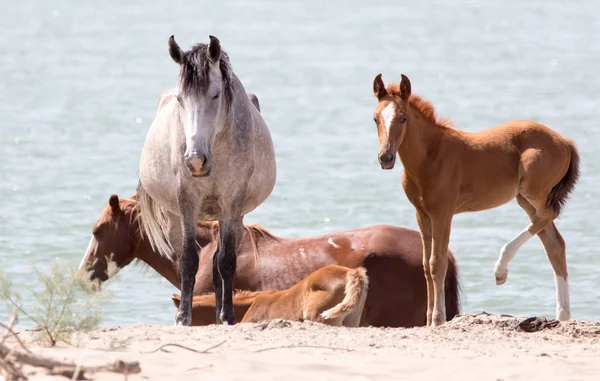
(554, 246)
(438, 263)
(540, 218)
(425, 228)
(187, 268)
(217, 283)
(230, 232)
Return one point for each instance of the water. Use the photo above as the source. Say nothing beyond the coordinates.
(79, 84)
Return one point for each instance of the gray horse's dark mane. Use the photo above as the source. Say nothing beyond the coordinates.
(194, 77)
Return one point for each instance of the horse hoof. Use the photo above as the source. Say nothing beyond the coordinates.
(437, 321)
(501, 276)
(227, 319)
(182, 320)
(562, 315)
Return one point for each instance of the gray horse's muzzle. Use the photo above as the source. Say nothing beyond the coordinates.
(199, 165)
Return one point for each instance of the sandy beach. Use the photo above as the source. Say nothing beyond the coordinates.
(470, 347)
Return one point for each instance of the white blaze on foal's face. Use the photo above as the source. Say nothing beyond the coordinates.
(388, 114)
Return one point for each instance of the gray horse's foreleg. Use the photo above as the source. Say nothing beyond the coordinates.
(229, 236)
(187, 267)
(217, 281)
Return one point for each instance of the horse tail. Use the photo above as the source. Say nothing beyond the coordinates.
(154, 224)
(357, 284)
(561, 191)
(452, 288)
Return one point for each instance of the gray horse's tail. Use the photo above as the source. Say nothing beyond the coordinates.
(154, 224)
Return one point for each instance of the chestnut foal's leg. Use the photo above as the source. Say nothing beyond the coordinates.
(438, 263)
(554, 245)
(425, 228)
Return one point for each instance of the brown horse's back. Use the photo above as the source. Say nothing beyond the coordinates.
(392, 256)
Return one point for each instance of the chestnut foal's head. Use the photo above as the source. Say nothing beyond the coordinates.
(391, 116)
(114, 238)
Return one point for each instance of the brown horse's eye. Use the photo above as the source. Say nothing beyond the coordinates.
(402, 118)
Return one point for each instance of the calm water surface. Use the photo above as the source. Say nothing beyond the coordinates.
(79, 84)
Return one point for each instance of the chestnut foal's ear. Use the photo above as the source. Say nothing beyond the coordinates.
(175, 51)
(214, 49)
(379, 87)
(176, 300)
(113, 201)
(404, 87)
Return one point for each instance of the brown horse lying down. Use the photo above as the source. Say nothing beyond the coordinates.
(392, 256)
(333, 295)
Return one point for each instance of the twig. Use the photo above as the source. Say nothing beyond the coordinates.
(9, 331)
(11, 323)
(186, 348)
(304, 346)
(67, 368)
(78, 366)
(200, 367)
(12, 372)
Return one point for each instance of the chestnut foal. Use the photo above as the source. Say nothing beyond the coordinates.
(334, 295)
(447, 171)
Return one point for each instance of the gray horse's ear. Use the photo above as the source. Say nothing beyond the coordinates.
(214, 49)
(175, 51)
(113, 201)
(404, 87)
(379, 87)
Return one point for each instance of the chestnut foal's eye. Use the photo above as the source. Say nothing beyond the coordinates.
(402, 119)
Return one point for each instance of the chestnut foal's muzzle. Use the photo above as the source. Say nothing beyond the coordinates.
(386, 160)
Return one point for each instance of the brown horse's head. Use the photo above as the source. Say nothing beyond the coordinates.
(114, 238)
(391, 116)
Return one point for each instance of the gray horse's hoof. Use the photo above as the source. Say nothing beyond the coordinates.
(182, 319)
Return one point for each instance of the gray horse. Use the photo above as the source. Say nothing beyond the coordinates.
(208, 155)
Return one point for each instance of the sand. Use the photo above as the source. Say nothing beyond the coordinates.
(470, 347)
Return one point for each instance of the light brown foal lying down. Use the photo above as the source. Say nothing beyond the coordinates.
(334, 295)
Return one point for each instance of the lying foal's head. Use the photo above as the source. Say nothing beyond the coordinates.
(391, 116)
(114, 238)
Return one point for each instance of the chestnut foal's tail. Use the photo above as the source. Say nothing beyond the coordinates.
(560, 192)
(452, 288)
(357, 284)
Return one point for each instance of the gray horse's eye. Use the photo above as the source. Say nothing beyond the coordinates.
(216, 96)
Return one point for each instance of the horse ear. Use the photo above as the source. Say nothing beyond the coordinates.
(379, 87)
(113, 201)
(175, 51)
(404, 87)
(214, 49)
(176, 300)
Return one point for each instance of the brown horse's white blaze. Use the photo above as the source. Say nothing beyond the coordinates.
(87, 254)
(447, 171)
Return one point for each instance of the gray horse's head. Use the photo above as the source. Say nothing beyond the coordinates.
(205, 93)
